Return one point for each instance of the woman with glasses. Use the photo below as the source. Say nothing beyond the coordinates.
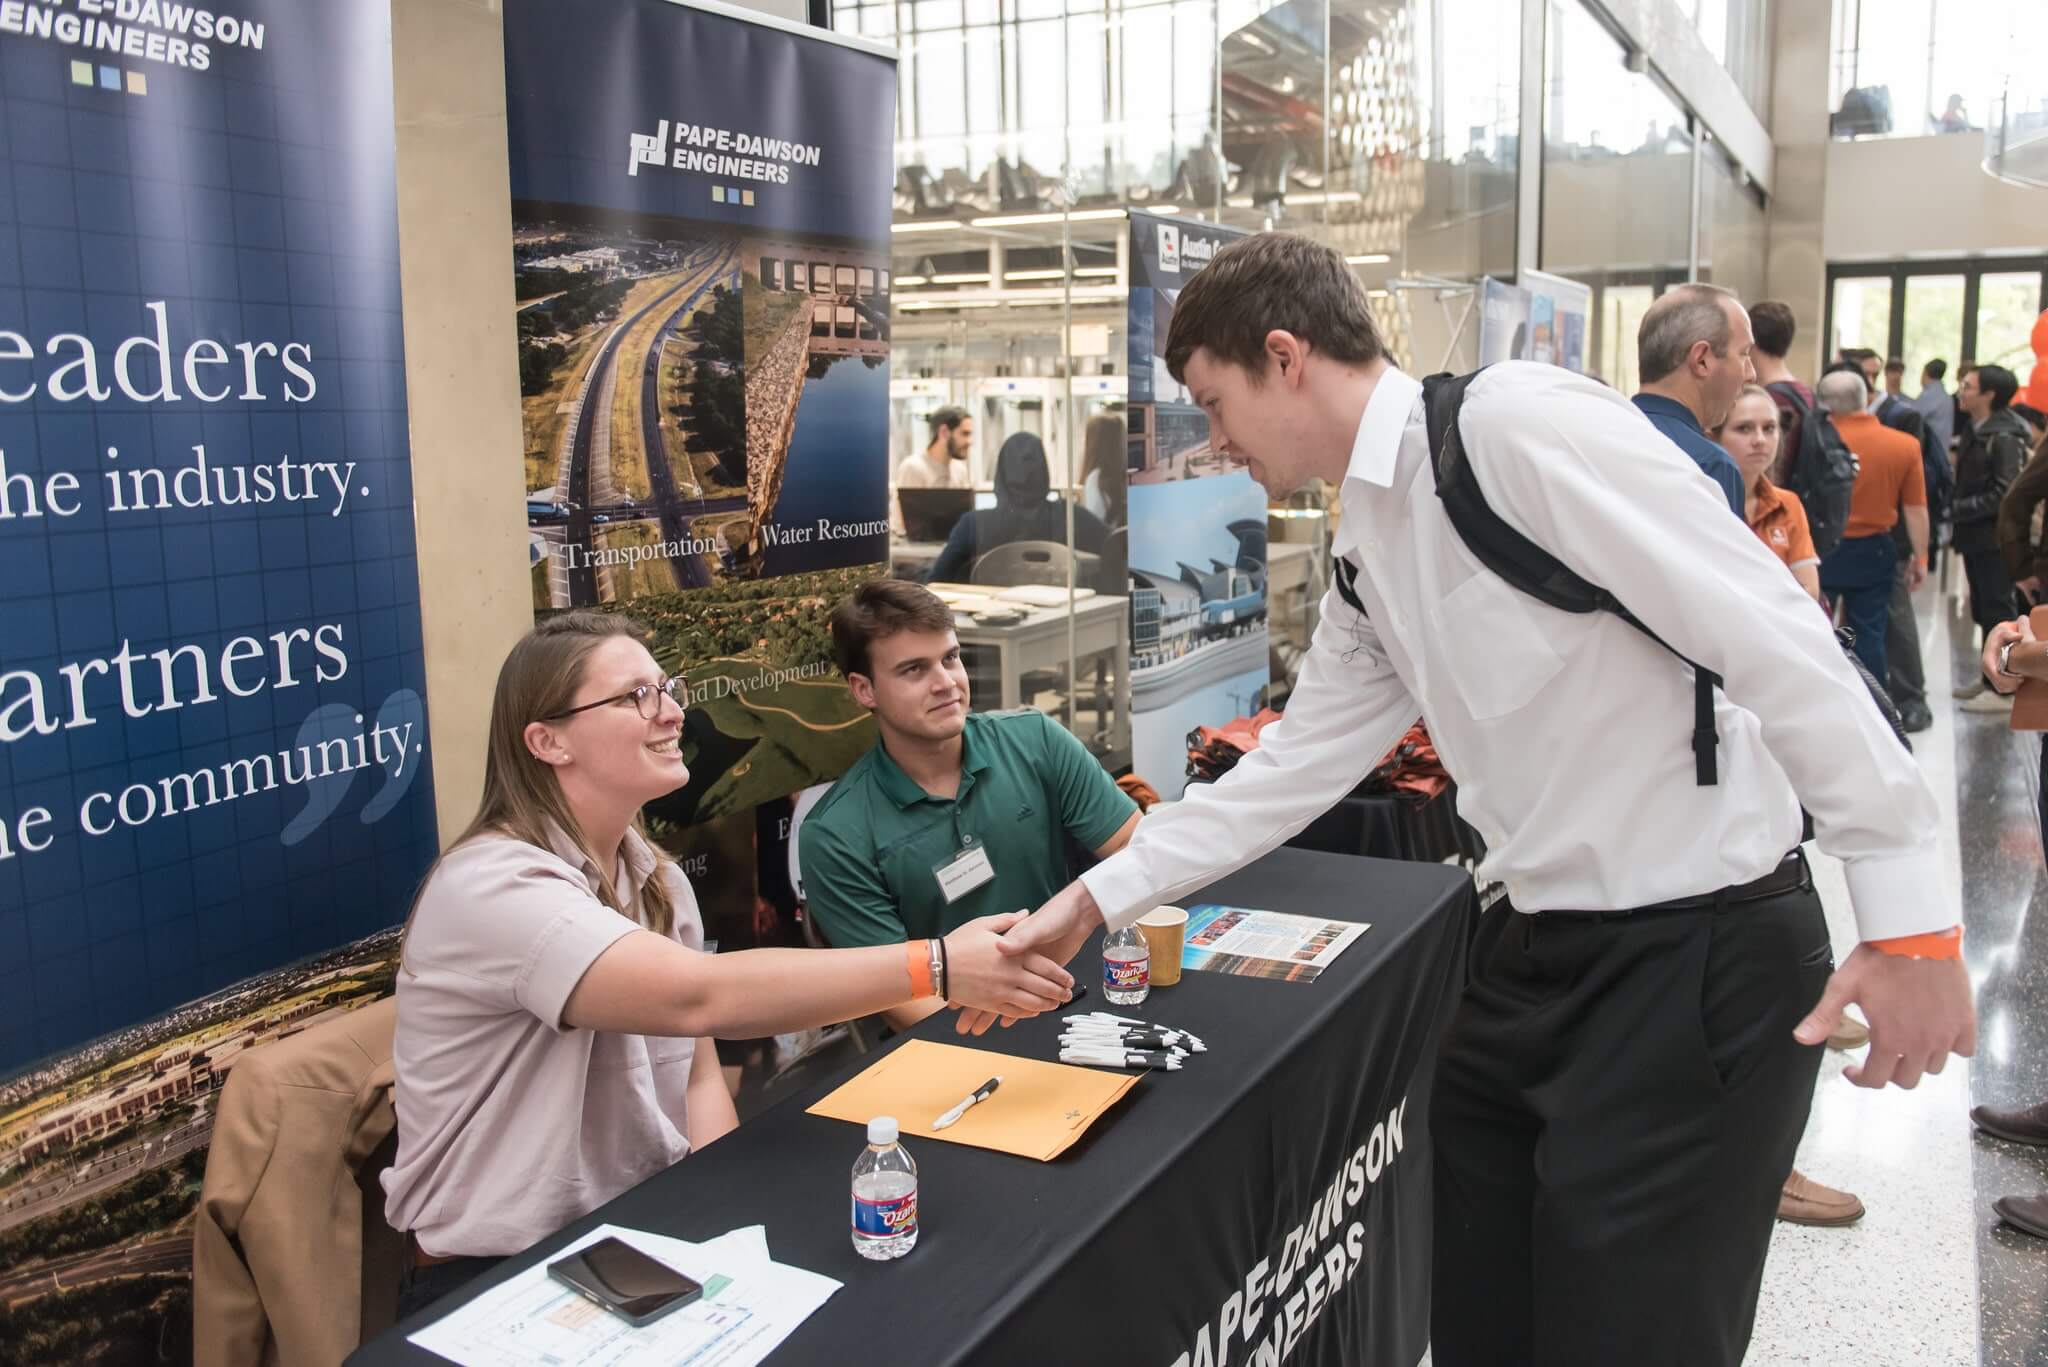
(554, 1002)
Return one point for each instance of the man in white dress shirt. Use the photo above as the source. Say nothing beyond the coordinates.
(1622, 1089)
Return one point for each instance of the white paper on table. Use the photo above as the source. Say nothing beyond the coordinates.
(1042, 595)
(534, 1321)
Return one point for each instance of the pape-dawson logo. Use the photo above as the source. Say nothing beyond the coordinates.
(719, 152)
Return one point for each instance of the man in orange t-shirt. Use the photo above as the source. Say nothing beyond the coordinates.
(1860, 570)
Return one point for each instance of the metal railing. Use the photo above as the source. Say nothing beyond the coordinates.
(2016, 133)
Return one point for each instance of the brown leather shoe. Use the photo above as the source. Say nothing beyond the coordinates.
(1849, 1034)
(2020, 1124)
(1806, 1202)
(2028, 1214)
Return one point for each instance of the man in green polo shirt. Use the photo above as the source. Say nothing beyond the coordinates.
(953, 814)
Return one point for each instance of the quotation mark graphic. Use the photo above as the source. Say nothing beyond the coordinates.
(402, 713)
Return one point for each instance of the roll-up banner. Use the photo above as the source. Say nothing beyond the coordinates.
(1198, 530)
(213, 748)
(700, 207)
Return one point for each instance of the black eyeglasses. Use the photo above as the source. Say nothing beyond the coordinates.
(646, 699)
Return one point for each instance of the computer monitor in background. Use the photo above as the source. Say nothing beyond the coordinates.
(929, 514)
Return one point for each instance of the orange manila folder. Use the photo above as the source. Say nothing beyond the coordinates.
(1040, 1109)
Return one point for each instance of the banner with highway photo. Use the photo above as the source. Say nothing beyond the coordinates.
(1198, 530)
(700, 208)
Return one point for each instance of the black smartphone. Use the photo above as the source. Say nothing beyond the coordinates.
(625, 1281)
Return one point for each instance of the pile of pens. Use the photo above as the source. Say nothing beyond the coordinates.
(1100, 1040)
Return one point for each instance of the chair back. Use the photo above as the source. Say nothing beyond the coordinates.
(292, 1258)
(1024, 562)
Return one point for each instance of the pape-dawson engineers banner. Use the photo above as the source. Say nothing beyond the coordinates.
(213, 744)
(701, 272)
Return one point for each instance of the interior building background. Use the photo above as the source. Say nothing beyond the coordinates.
(1839, 157)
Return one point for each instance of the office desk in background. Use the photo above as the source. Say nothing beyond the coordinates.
(1102, 631)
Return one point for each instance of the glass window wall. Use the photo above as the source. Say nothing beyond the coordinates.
(1917, 68)
(1967, 311)
(1933, 324)
(1027, 130)
(1732, 226)
(1862, 316)
(1617, 175)
(2007, 305)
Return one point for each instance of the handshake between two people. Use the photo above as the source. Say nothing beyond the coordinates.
(988, 978)
(1028, 953)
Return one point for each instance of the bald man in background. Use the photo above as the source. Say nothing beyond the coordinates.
(1693, 354)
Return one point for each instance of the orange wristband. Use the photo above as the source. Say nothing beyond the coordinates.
(919, 955)
(1937, 944)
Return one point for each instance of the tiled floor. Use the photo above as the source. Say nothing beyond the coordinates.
(2003, 887)
(1900, 1286)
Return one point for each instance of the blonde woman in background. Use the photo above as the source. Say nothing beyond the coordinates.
(1750, 436)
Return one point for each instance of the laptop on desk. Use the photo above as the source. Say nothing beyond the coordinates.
(929, 514)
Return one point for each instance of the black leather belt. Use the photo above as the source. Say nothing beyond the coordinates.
(1791, 875)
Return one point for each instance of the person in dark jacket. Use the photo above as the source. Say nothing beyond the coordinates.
(1989, 458)
(1024, 511)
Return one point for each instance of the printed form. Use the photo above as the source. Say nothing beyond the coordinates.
(750, 1304)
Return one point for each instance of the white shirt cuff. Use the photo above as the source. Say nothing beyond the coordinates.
(1119, 886)
(1901, 894)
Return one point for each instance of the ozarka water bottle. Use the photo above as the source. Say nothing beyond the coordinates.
(884, 1195)
(1126, 967)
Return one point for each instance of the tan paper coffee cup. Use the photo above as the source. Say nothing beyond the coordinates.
(1164, 929)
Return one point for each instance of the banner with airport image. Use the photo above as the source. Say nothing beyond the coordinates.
(215, 794)
(1198, 530)
(1543, 318)
(701, 271)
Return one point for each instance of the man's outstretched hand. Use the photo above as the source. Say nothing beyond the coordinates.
(1056, 930)
(1919, 1012)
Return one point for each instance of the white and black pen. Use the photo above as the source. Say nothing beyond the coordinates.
(1121, 1058)
(1114, 1043)
(1139, 1039)
(981, 1093)
(1160, 1038)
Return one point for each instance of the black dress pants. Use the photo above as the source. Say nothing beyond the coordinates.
(1617, 1104)
(1992, 596)
(420, 1287)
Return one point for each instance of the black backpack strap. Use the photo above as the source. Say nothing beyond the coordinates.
(1705, 739)
(1346, 579)
(1526, 565)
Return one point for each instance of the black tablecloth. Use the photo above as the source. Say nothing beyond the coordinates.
(1395, 826)
(1281, 1181)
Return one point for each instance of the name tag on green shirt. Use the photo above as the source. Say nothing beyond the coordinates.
(964, 872)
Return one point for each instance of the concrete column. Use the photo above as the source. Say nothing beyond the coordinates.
(461, 372)
(1795, 268)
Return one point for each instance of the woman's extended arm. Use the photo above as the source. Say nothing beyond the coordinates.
(647, 984)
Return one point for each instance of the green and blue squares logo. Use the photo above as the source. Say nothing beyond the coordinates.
(732, 194)
(109, 78)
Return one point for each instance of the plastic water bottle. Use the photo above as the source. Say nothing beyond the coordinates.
(1126, 967)
(884, 1195)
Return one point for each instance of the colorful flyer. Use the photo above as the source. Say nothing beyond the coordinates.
(1264, 944)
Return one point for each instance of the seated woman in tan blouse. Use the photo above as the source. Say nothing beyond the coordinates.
(554, 999)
